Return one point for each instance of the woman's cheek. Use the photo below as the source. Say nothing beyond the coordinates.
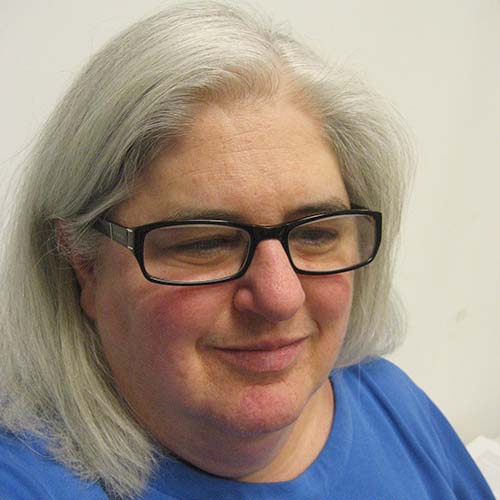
(330, 297)
(180, 314)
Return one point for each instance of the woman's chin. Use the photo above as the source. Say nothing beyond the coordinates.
(261, 410)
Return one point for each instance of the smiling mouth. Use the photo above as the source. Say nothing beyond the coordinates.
(273, 356)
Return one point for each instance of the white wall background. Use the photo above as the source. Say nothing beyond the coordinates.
(439, 63)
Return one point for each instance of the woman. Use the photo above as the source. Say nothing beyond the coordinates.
(193, 307)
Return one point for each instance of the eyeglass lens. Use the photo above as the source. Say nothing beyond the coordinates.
(206, 252)
(193, 253)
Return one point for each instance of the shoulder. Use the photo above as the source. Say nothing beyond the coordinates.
(27, 471)
(380, 371)
(381, 378)
(396, 416)
(380, 391)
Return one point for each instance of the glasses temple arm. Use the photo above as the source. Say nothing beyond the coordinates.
(122, 235)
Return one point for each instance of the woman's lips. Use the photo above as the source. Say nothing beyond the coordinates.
(262, 358)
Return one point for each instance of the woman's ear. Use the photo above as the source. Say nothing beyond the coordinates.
(83, 269)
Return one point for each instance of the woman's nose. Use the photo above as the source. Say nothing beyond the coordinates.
(270, 287)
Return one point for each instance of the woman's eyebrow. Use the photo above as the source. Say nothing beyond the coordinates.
(330, 205)
(193, 214)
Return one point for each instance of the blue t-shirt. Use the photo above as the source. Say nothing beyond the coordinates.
(388, 441)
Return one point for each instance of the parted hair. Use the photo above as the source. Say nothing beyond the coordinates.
(133, 100)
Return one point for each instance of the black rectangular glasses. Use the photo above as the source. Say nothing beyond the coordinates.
(199, 252)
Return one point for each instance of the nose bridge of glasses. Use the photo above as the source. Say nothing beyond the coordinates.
(261, 233)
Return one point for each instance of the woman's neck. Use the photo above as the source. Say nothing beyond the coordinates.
(304, 443)
(278, 456)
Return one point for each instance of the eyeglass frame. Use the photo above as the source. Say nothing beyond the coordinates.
(133, 239)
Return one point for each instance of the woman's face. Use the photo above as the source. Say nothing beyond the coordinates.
(219, 357)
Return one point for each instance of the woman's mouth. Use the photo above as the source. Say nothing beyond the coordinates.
(262, 357)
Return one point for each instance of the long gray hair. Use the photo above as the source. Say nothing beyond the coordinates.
(133, 100)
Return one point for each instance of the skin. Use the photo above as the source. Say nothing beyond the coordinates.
(262, 163)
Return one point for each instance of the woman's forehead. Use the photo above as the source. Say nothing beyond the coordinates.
(268, 159)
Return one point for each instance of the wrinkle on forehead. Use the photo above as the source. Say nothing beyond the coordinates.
(222, 133)
(236, 133)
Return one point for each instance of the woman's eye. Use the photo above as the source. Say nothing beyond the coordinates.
(205, 246)
(315, 237)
